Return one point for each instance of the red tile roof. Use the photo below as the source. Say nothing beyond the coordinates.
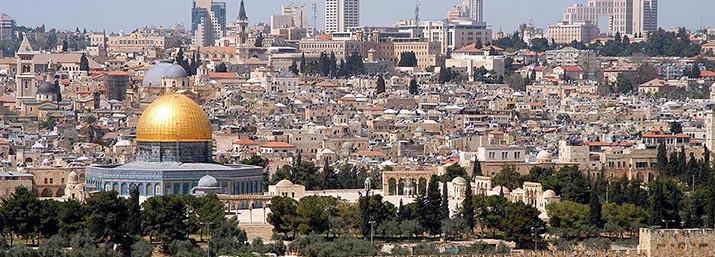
(277, 145)
(370, 153)
(245, 141)
(572, 68)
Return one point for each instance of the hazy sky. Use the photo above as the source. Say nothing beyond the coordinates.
(116, 15)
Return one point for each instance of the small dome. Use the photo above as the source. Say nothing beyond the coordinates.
(499, 189)
(72, 178)
(549, 194)
(208, 182)
(409, 184)
(123, 143)
(161, 71)
(543, 156)
(38, 145)
(284, 183)
(46, 88)
(327, 151)
(459, 181)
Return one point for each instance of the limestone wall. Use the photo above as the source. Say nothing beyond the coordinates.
(677, 242)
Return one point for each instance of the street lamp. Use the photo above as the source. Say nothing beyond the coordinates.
(372, 231)
(666, 222)
(208, 241)
(534, 231)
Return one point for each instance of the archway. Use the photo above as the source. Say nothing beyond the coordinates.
(401, 187)
(392, 186)
(422, 187)
(60, 193)
(46, 193)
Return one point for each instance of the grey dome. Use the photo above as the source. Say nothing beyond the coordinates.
(160, 71)
(46, 88)
(208, 182)
(409, 184)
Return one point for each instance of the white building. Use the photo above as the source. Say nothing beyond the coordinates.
(341, 14)
(633, 17)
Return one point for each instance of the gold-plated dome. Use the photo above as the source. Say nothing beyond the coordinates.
(174, 118)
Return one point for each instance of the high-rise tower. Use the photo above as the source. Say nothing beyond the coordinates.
(475, 9)
(208, 18)
(341, 14)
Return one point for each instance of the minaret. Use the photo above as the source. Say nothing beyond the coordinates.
(25, 76)
(242, 35)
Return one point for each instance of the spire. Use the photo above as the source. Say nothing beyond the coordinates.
(25, 46)
(242, 12)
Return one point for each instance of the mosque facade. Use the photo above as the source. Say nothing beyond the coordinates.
(174, 152)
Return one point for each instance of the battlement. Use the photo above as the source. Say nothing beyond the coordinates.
(677, 242)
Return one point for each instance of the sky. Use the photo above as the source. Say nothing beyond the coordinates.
(125, 15)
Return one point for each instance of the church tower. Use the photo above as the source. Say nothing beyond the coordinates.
(242, 35)
(710, 120)
(25, 77)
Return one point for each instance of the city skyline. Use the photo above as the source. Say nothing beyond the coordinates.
(373, 12)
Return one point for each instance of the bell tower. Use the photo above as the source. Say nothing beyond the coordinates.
(242, 35)
(25, 76)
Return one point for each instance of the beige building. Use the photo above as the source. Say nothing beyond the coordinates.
(454, 34)
(285, 188)
(565, 32)
(139, 42)
(9, 181)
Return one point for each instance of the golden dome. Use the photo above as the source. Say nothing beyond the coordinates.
(174, 118)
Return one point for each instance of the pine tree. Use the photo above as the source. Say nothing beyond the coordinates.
(468, 206)
(414, 88)
(293, 68)
(380, 85)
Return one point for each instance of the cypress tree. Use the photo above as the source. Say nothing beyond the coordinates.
(444, 208)
(595, 216)
(477, 169)
(380, 85)
(662, 157)
(468, 206)
(429, 206)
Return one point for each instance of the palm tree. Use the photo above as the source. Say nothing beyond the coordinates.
(92, 132)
